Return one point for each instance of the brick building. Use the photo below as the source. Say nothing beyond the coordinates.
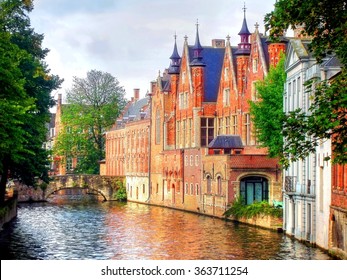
(201, 150)
(127, 147)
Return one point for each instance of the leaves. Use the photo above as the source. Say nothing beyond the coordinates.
(268, 122)
(326, 24)
(25, 100)
(94, 105)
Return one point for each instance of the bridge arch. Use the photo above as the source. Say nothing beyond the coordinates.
(90, 190)
(106, 186)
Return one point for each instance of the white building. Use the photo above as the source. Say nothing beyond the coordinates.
(307, 183)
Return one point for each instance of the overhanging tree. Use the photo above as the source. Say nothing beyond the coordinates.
(94, 103)
(267, 113)
(25, 87)
(326, 22)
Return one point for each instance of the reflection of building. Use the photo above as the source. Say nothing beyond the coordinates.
(307, 182)
(201, 148)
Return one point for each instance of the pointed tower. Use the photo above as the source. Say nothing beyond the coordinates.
(244, 48)
(175, 60)
(197, 50)
(198, 71)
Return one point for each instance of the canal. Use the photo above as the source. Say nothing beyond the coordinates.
(83, 229)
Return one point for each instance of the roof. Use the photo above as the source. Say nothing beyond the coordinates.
(213, 60)
(136, 108)
(332, 61)
(244, 30)
(226, 142)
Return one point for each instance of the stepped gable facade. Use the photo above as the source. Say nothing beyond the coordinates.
(197, 103)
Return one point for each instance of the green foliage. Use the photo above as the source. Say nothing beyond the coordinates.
(324, 20)
(121, 193)
(25, 98)
(326, 23)
(94, 105)
(267, 113)
(327, 119)
(239, 210)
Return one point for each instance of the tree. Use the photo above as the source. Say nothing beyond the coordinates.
(25, 87)
(94, 103)
(269, 122)
(326, 22)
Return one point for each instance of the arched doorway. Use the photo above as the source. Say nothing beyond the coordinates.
(254, 188)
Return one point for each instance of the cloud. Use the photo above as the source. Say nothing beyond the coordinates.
(132, 39)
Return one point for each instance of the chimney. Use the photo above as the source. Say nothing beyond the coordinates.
(218, 43)
(59, 98)
(136, 94)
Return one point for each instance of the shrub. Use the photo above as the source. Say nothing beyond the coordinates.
(239, 210)
(121, 193)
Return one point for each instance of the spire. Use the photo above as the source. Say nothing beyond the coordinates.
(244, 47)
(175, 60)
(197, 49)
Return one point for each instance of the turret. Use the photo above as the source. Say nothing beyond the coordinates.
(197, 51)
(244, 48)
(175, 60)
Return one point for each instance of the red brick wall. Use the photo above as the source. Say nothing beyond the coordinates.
(339, 186)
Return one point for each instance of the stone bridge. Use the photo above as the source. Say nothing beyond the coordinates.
(106, 186)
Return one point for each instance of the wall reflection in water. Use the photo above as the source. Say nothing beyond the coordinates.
(87, 229)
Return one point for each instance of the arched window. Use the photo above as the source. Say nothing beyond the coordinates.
(157, 127)
(254, 188)
(209, 184)
(219, 185)
(191, 189)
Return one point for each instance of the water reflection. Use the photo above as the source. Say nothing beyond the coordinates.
(93, 230)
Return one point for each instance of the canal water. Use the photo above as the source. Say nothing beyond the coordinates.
(83, 229)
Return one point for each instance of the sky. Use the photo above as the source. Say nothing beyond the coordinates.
(133, 39)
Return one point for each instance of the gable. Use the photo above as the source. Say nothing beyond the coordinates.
(297, 50)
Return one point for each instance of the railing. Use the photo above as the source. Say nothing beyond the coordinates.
(290, 184)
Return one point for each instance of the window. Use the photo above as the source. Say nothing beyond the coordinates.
(190, 121)
(196, 160)
(69, 164)
(192, 189)
(209, 184)
(234, 125)
(220, 126)
(255, 65)
(197, 189)
(219, 185)
(178, 135)
(226, 97)
(226, 74)
(186, 160)
(157, 127)
(253, 189)
(207, 131)
(184, 132)
(247, 128)
(186, 189)
(254, 91)
(191, 160)
(227, 125)
(183, 77)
